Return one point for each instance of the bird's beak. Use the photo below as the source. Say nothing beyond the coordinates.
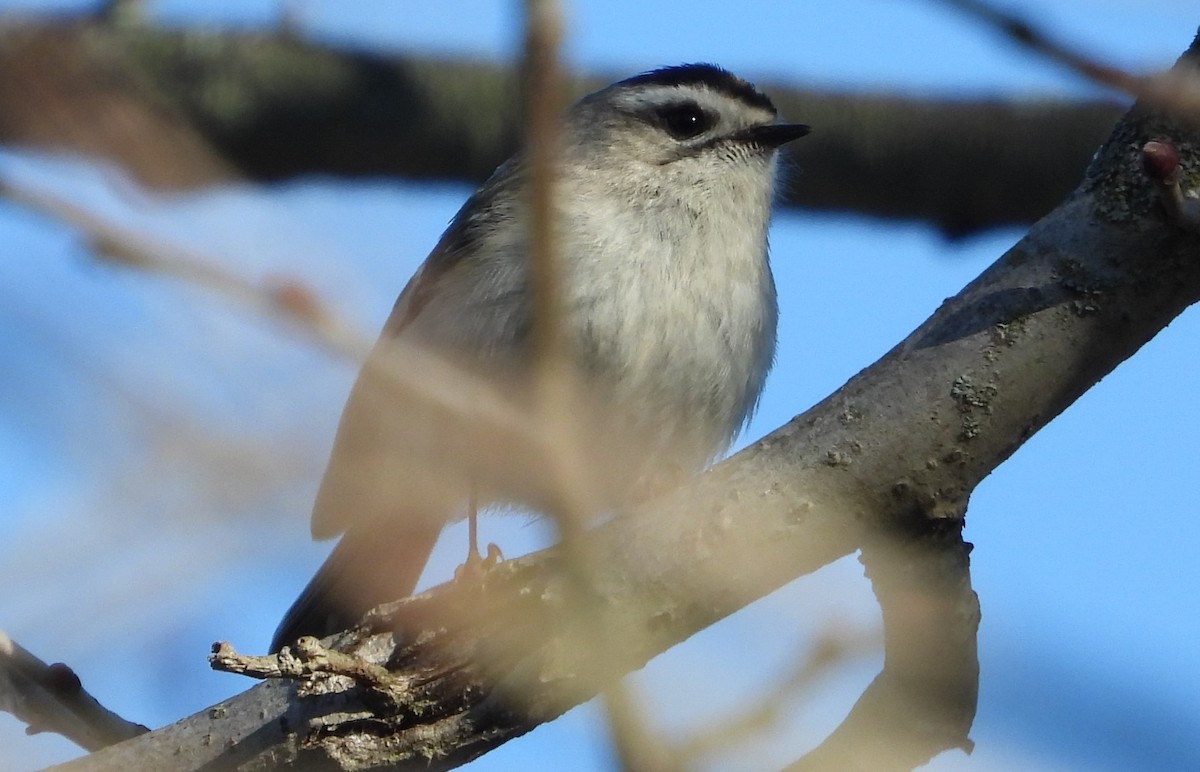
(775, 134)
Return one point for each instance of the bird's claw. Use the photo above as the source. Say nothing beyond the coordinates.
(477, 566)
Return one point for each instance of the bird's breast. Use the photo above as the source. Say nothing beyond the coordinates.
(682, 334)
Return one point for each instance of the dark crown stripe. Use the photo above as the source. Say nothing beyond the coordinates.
(708, 75)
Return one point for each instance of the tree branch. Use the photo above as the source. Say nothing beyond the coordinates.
(181, 109)
(50, 698)
(923, 702)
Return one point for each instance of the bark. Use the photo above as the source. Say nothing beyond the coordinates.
(187, 108)
(890, 458)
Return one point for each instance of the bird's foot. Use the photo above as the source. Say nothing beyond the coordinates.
(477, 566)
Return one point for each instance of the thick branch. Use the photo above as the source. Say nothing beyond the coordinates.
(180, 109)
(899, 447)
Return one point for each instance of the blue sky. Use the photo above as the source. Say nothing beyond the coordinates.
(158, 450)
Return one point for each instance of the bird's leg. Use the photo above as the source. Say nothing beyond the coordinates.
(476, 565)
(473, 526)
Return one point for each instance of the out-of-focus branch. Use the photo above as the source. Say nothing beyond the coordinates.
(555, 387)
(121, 11)
(122, 246)
(484, 415)
(50, 698)
(542, 102)
(181, 109)
(1172, 90)
(1024, 32)
(69, 87)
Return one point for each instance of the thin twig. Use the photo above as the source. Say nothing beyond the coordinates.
(556, 390)
(1174, 90)
(303, 659)
(543, 91)
(50, 698)
(429, 380)
(128, 248)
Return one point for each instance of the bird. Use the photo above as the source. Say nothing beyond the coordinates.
(662, 196)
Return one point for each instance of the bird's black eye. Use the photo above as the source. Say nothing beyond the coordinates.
(685, 120)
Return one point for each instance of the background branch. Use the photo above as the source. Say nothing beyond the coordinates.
(210, 106)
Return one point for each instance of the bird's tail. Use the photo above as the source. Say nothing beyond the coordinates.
(369, 566)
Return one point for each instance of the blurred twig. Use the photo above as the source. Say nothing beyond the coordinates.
(555, 389)
(1174, 89)
(430, 381)
(542, 98)
(1025, 33)
(122, 246)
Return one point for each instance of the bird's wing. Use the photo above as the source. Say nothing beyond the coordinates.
(372, 475)
(386, 489)
(375, 492)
